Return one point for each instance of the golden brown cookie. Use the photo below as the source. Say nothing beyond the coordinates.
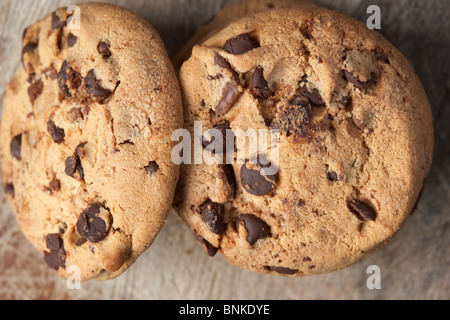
(355, 141)
(86, 139)
(227, 15)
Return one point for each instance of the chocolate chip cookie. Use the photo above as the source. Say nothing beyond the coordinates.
(86, 139)
(355, 141)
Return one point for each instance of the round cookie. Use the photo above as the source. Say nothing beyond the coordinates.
(355, 141)
(86, 139)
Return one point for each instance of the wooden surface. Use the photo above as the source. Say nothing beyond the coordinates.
(414, 265)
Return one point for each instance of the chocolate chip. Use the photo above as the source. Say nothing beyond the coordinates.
(346, 101)
(255, 181)
(213, 215)
(16, 147)
(80, 242)
(363, 210)
(230, 95)
(29, 47)
(256, 228)
(9, 189)
(260, 87)
(294, 118)
(75, 114)
(358, 83)
(94, 88)
(57, 133)
(35, 90)
(219, 143)
(71, 40)
(103, 49)
(223, 63)
(57, 22)
(71, 165)
(241, 44)
(68, 79)
(91, 226)
(383, 58)
(53, 241)
(231, 179)
(152, 167)
(55, 185)
(282, 270)
(332, 176)
(56, 258)
(311, 93)
(209, 248)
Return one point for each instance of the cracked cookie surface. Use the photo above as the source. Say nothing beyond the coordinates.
(356, 141)
(86, 139)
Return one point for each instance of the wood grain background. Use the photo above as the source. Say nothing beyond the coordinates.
(414, 265)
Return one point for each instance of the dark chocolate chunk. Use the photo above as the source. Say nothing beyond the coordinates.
(57, 22)
(9, 190)
(56, 258)
(346, 101)
(55, 185)
(57, 133)
(358, 83)
(213, 215)
(90, 226)
(223, 63)
(53, 241)
(35, 90)
(383, 58)
(332, 176)
(363, 210)
(103, 49)
(94, 88)
(311, 93)
(68, 79)
(230, 95)
(152, 167)
(294, 118)
(260, 87)
(231, 179)
(16, 147)
(256, 228)
(282, 270)
(220, 143)
(209, 248)
(29, 47)
(71, 40)
(75, 114)
(255, 181)
(71, 165)
(241, 44)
